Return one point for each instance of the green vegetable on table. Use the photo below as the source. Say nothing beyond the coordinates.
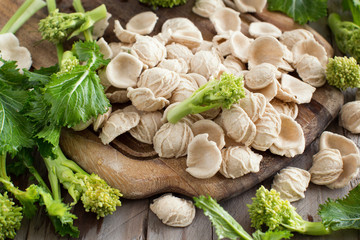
(347, 35)
(163, 3)
(96, 195)
(34, 106)
(281, 218)
(222, 92)
(301, 11)
(227, 227)
(10, 217)
(268, 209)
(343, 72)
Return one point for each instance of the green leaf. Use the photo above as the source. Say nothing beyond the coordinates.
(225, 225)
(342, 213)
(354, 7)
(10, 75)
(15, 130)
(86, 51)
(39, 78)
(77, 95)
(272, 235)
(301, 11)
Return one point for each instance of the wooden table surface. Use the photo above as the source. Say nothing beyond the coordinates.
(134, 220)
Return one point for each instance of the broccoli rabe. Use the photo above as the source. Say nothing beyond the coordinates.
(163, 3)
(270, 210)
(96, 195)
(58, 27)
(347, 35)
(224, 92)
(10, 217)
(343, 72)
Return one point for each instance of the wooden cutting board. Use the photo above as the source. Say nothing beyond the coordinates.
(134, 167)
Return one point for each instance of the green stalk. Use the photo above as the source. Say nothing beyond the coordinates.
(309, 228)
(26, 10)
(68, 163)
(79, 8)
(37, 176)
(51, 4)
(54, 182)
(3, 166)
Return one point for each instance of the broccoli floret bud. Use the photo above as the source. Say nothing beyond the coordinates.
(347, 35)
(58, 27)
(164, 3)
(269, 209)
(343, 72)
(224, 92)
(96, 195)
(10, 217)
(99, 197)
(68, 62)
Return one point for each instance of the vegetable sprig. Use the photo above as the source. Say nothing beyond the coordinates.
(347, 35)
(227, 227)
(216, 93)
(281, 218)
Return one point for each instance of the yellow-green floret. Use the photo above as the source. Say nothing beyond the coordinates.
(10, 217)
(268, 209)
(343, 72)
(164, 3)
(99, 197)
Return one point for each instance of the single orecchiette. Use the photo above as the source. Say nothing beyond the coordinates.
(205, 63)
(206, 8)
(176, 65)
(142, 23)
(268, 127)
(291, 183)
(254, 105)
(118, 96)
(184, 90)
(225, 20)
(149, 124)
(290, 109)
(261, 76)
(204, 157)
(238, 125)
(173, 211)
(101, 119)
(149, 50)
(238, 161)
(258, 29)
(144, 100)
(214, 131)
(350, 116)
(160, 81)
(291, 139)
(311, 71)
(118, 123)
(326, 167)
(172, 140)
(123, 70)
(176, 51)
